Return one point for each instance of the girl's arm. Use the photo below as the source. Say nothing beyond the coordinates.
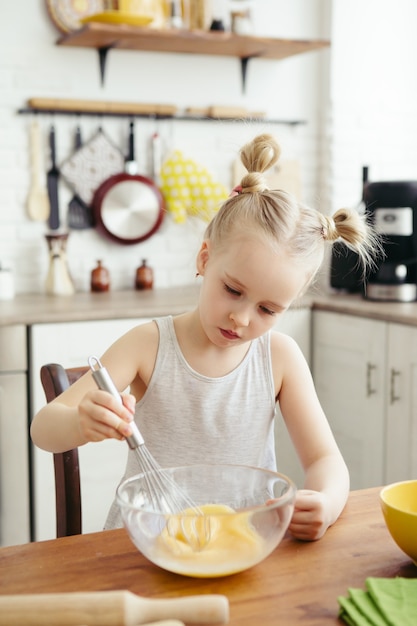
(84, 413)
(326, 484)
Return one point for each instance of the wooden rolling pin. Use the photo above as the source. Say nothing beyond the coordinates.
(100, 106)
(109, 608)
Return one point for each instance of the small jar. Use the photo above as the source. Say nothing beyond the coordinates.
(100, 278)
(241, 22)
(144, 276)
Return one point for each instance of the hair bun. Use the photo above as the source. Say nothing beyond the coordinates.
(330, 231)
(260, 154)
(253, 182)
(257, 156)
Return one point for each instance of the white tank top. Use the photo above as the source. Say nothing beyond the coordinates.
(187, 418)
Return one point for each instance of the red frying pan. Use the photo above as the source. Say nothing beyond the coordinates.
(128, 208)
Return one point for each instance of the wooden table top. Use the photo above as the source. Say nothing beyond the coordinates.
(299, 583)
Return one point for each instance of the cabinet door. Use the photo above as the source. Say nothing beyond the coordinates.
(297, 324)
(401, 394)
(102, 465)
(349, 374)
(14, 453)
(14, 460)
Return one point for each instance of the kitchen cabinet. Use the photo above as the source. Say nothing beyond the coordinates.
(401, 400)
(14, 456)
(365, 373)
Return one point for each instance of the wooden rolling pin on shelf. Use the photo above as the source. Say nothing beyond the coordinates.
(100, 106)
(224, 112)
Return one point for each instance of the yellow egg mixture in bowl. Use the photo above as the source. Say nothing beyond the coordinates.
(240, 515)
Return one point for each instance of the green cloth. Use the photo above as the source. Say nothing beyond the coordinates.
(386, 602)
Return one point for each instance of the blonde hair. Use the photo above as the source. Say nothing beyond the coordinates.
(293, 226)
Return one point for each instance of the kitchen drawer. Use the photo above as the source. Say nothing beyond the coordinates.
(13, 354)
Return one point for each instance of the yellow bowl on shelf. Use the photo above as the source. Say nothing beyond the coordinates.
(399, 508)
(132, 13)
(118, 17)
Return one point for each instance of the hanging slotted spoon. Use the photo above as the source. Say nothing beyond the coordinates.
(80, 215)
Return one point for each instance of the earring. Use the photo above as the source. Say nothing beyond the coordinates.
(197, 274)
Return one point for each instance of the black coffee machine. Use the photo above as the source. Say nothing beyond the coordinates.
(392, 209)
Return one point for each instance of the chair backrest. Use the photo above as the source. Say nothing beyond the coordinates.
(55, 379)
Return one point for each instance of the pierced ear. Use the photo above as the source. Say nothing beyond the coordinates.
(203, 257)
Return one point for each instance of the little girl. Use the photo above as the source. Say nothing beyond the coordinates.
(204, 384)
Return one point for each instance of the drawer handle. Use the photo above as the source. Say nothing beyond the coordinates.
(393, 395)
(370, 390)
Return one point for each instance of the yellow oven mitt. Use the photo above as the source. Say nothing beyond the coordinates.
(189, 189)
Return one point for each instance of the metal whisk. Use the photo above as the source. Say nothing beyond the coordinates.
(164, 494)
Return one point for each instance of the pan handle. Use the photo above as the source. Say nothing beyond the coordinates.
(131, 153)
(131, 167)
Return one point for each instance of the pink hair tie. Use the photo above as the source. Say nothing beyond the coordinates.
(236, 191)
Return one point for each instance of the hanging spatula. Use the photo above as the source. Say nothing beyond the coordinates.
(52, 183)
(38, 201)
(80, 215)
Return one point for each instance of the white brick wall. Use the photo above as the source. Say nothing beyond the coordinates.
(373, 94)
(32, 66)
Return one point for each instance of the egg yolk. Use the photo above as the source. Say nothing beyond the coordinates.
(219, 537)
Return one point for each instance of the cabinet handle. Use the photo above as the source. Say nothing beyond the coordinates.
(370, 367)
(392, 393)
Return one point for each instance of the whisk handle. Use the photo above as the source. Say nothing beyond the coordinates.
(104, 382)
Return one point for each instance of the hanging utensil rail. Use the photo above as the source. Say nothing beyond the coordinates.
(57, 106)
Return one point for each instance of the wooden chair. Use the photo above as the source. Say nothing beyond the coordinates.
(55, 379)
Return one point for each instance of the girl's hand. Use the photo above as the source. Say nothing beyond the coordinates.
(310, 519)
(102, 417)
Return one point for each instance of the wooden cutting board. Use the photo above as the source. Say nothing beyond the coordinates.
(225, 112)
(284, 175)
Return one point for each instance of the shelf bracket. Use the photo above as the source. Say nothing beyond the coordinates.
(102, 59)
(244, 62)
(243, 69)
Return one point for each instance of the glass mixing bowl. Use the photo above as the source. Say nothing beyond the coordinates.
(234, 527)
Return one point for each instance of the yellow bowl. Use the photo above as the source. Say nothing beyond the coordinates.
(399, 507)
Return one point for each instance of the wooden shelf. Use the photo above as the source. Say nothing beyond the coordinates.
(105, 37)
(96, 35)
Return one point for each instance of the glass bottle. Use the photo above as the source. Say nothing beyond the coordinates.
(144, 276)
(100, 278)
